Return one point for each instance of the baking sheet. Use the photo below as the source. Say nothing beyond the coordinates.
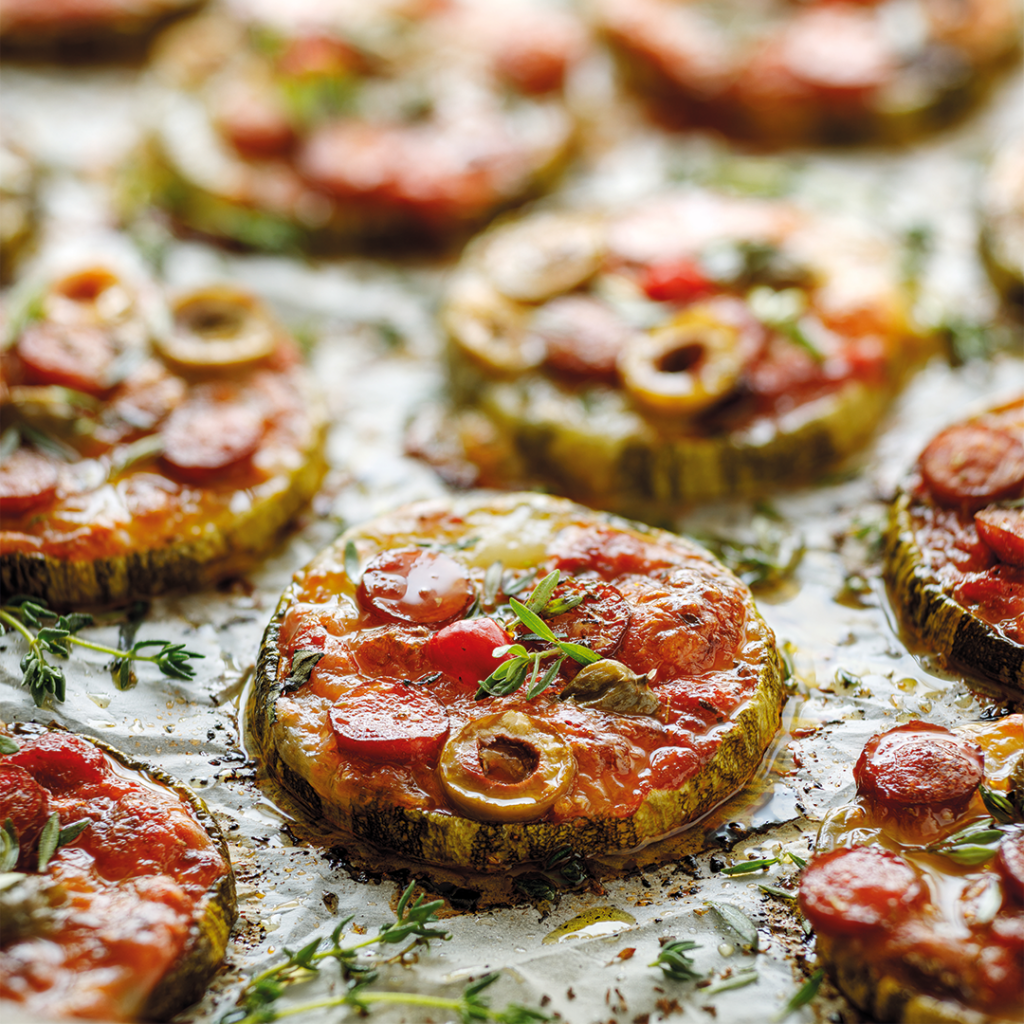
(375, 348)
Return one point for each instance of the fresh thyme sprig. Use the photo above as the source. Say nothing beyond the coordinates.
(416, 922)
(674, 962)
(564, 869)
(803, 995)
(972, 845)
(510, 675)
(44, 680)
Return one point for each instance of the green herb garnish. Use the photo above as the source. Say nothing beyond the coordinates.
(510, 675)
(746, 867)
(802, 996)
(735, 919)
(415, 925)
(44, 679)
(972, 845)
(674, 962)
(739, 980)
(53, 837)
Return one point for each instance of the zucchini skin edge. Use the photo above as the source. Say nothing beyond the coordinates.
(453, 841)
(946, 626)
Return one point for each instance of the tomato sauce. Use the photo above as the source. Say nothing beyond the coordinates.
(878, 899)
(119, 900)
(662, 609)
(147, 460)
(966, 517)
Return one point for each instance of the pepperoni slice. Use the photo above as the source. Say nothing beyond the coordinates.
(27, 479)
(581, 335)
(919, 766)
(465, 649)
(857, 891)
(972, 465)
(389, 721)
(608, 552)
(415, 585)
(1002, 529)
(76, 356)
(598, 620)
(1010, 864)
(254, 119)
(26, 803)
(204, 437)
(58, 761)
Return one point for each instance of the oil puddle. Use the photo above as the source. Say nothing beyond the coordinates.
(591, 924)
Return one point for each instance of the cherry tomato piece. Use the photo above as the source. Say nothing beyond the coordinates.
(465, 649)
(857, 891)
(972, 465)
(920, 766)
(204, 437)
(26, 804)
(679, 280)
(254, 120)
(1002, 529)
(389, 721)
(416, 585)
(27, 479)
(58, 761)
(599, 619)
(1010, 863)
(75, 356)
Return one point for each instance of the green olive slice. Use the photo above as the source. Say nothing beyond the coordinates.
(685, 366)
(505, 767)
(218, 328)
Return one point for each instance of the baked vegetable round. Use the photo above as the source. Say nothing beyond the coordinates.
(285, 128)
(918, 905)
(405, 694)
(691, 346)
(954, 551)
(118, 895)
(85, 24)
(788, 72)
(148, 449)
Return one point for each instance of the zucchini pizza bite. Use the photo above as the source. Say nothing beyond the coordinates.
(117, 892)
(916, 891)
(325, 122)
(692, 346)
(954, 552)
(84, 24)
(787, 72)
(147, 449)
(480, 682)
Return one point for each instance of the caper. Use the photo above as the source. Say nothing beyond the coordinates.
(608, 685)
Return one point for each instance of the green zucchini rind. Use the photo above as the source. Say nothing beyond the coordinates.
(888, 998)
(935, 617)
(446, 839)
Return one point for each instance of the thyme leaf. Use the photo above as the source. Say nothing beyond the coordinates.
(8, 746)
(735, 919)
(802, 996)
(510, 675)
(972, 845)
(739, 980)
(9, 847)
(53, 837)
(747, 866)
(1001, 809)
(674, 962)
(415, 925)
(45, 680)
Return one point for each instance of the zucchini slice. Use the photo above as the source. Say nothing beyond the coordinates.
(693, 346)
(933, 615)
(180, 470)
(212, 917)
(288, 723)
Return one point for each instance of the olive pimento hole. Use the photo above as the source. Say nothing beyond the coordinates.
(680, 360)
(505, 760)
